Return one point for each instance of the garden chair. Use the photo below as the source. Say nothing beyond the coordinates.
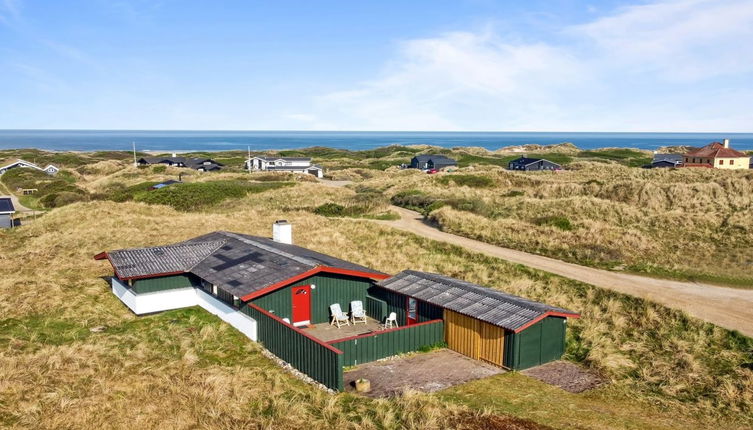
(357, 313)
(392, 319)
(338, 317)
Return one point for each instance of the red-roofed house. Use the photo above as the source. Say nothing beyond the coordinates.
(718, 156)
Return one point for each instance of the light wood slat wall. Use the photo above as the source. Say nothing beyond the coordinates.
(492, 343)
(474, 338)
(462, 333)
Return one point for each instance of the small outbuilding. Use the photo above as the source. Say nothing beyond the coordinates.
(480, 322)
(431, 161)
(525, 163)
(6, 212)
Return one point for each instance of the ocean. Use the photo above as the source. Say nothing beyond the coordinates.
(180, 141)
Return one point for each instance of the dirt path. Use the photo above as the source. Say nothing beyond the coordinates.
(731, 308)
(16, 203)
(727, 307)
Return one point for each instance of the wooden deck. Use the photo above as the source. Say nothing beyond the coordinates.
(327, 332)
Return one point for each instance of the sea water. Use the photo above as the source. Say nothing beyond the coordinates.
(179, 141)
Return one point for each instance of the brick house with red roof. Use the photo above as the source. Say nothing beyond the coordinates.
(717, 155)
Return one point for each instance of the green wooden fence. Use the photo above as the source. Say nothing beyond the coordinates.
(376, 308)
(386, 343)
(311, 356)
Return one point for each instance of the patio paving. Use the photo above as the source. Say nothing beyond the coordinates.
(428, 372)
(327, 332)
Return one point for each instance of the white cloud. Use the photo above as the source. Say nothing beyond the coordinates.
(644, 68)
(681, 39)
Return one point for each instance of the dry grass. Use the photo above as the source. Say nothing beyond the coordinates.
(687, 223)
(55, 373)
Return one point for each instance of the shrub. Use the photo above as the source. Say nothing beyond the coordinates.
(560, 222)
(159, 169)
(201, 195)
(330, 209)
(473, 181)
(56, 200)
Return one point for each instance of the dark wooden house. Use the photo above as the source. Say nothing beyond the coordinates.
(431, 161)
(525, 163)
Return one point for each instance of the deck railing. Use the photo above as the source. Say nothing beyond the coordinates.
(386, 343)
(315, 358)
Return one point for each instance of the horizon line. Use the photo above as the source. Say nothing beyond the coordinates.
(361, 131)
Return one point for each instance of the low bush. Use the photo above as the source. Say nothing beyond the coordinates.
(560, 222)
(473, 181)
(201, 195)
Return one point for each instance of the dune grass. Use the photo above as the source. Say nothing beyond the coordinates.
(55, 371)
(685, 224)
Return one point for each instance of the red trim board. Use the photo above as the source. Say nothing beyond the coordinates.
(304, 275)
(544, 315)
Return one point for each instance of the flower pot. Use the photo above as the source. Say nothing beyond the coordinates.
(363, 385)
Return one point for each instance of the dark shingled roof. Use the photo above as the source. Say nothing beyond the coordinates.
(237, 263)
(246, 264)
(436, 158)
(6, 205)
(140, 262)
(524, 161)
(492, 306)
(671, 158)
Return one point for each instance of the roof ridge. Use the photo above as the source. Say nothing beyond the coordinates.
(268, 248)
(220, 243)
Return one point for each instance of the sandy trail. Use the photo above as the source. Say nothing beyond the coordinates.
(731, 308)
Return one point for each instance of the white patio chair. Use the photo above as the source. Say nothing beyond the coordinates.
(357, 313)
(392, 319)
(338, 317)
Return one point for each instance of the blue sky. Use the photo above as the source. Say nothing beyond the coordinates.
(558, 65)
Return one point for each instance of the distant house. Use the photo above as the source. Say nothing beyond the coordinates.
(6, 212)
(50, 169)
(525, 163)
(718, 156)
(200, 164)
(666, 161)
(284, 164)
(431, 161)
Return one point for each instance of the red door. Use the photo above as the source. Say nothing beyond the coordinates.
(412, 314)
(301, 304)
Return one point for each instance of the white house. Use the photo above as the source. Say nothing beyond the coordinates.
(284, 164)
(50, 169)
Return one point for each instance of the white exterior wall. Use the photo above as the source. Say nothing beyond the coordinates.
(183, 298)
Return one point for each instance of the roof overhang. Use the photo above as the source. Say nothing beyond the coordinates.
(106, 256)
(312, 272)
(544, 315)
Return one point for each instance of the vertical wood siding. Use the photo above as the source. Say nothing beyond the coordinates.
(141, 286)
(330, 289)
(474, 338)
(397, 303)
(376, 308)
(538, 344)
(372, 347)
(316, 359)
